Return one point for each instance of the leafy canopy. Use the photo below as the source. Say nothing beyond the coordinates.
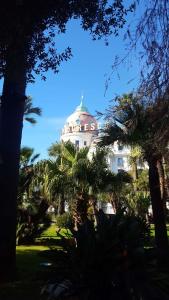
(134, 122)
(34, 26)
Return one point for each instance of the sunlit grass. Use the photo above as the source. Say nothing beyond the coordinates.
(53, 232)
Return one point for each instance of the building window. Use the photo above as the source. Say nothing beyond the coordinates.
(85, 143)
(70, 129)
(82, 128)
(77, 144)
(120, 147)
(120, 162)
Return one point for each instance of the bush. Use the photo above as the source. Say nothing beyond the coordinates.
(26, 233)
(108, 260)
(64, 221)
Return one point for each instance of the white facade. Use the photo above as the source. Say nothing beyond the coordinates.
(81, 129)
(80, 139)
(118, 158)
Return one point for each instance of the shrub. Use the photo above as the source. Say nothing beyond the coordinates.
(108, 260)
(64, 221)
(26, 232)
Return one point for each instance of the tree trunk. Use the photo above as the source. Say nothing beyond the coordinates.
(61, 206)
(134, 170)
(158, 213)
(166, 172)
(93, 203)
(114, 202)
(162, 180)
(80, 209)
(11, 122)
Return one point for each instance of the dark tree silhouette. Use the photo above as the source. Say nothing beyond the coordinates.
(27, 46)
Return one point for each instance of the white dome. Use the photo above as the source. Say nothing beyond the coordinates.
(80, 127)
(80, 120)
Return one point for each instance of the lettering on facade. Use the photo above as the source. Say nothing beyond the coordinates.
(81, 128)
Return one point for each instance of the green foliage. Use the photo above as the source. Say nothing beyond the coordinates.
(27, 232)
(135, 196)
(30, 111)
(134, 122)
(108, 260)
(137, 203)
(64, 220)
(27, 156)
(42, 25)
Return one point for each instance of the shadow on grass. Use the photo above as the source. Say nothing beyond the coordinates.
(29, 261)
(30, 275)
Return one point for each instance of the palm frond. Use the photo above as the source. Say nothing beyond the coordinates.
(30, 120)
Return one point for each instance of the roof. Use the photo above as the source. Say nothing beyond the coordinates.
(82, 108)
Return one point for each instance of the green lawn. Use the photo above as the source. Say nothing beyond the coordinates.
(52, 233)
(29, 275)
(29, 260)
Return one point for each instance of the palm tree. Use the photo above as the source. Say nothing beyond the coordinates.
(29, 110)
(27, 156)
(135, 155)
(75, 165)
(62, 158)
(133, 122)
(84, 177)
(91, 178)
(116, 189)
(26, 172)
(25, 201)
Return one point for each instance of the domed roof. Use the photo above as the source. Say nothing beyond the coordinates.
(80, 115)
(80, 120)
(82, 108)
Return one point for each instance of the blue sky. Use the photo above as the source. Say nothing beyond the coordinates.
(85, 72)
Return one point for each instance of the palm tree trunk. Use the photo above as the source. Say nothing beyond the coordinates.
(11, 120)
(114, 202)
(80, 209)
(93, 203)
(134, 170)
(158, 212)
(61, 206)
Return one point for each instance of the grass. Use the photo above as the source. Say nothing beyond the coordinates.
(29, 280)
(29, 261)
(30, 273)
(52, 233)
